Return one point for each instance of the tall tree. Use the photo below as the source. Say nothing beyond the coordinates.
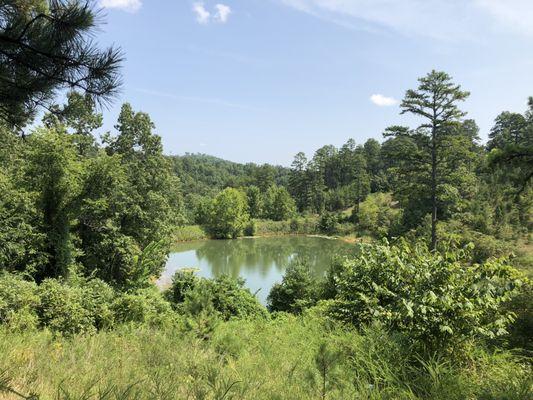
(298, 181)
(361, 180)
(436, 102)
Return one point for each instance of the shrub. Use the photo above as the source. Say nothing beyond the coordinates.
(328, 223)
(63, 308)
(183, 281)
(144, 306)
(18, 301)
(250, 228)
(98, 297)
(232, 299)
(225, 296)
(522, 328)
(377, 215)
(437, 299)
(298, 290)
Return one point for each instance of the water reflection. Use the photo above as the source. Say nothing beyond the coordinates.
(260, 261)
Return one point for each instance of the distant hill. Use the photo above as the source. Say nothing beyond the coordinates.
(203, 174)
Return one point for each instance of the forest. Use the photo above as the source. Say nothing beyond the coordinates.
(433, 300)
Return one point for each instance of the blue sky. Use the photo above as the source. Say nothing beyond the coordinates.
(260, 80)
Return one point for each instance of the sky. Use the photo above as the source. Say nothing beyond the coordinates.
(260, 80)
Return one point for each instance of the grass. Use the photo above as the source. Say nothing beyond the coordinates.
(189, 233)
(284, 358)
(263, 228)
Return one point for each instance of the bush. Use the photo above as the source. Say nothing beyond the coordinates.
(232, 299)
(98, 298)
(522, 328)
(224, 296)
(18, 301)
(250, 228)
(183, 281)
(377, 215)
(63, 308)
(298, 290)
(438, 299)
(328, 223)
(144, 306)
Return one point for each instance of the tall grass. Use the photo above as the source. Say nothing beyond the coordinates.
(284, 358)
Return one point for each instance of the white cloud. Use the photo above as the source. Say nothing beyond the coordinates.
(437, 19)
(126, 5)
(220, 14)
(383, 101)
(202, 15)
(223, 12)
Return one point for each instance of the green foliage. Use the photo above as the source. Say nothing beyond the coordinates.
(229, 214)
(278, 204)
(145, 307)
(183, 281)
(22, 245)
(328, 223)
(255, 201)
(18, 302)
(298, 290)
(378, 215)
(48, 46)
(326, 359)
(433, 161)
(231, 299)
(224, 296)
(206, 175)
(63, 308)
(189, 233)
(438, 299)
(52, 171)
(520, 331)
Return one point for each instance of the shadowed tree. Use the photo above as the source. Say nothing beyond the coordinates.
(45, 46)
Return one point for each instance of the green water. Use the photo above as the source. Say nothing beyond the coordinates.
(260, 261)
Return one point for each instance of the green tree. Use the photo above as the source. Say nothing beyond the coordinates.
(512, 147)
(79, 116)
(361, 181)
(278, 204)
(255, 201)
(46, 46)
(264, 176)
(298, 181)
(53, 171)
(374, 164)
(435, 101)
(229, 214)
(152, 202)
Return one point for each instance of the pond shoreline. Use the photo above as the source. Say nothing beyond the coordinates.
(346, 238)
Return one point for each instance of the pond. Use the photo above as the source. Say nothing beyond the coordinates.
(260, 261)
